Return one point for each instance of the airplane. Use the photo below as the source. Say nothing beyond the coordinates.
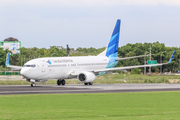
(83, 68)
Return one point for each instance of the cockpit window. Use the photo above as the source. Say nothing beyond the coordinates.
(29, 66)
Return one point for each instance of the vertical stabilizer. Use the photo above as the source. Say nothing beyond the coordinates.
(112, 49)
(103, 53)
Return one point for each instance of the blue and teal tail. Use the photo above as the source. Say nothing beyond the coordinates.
(112, 49)
(7, 59)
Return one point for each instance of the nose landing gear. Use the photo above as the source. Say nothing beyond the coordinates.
(61, 82)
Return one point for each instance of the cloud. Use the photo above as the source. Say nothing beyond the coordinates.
(93, 3)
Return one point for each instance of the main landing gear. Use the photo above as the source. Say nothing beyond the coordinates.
(88, 83)
(33, 84)
(61, 82)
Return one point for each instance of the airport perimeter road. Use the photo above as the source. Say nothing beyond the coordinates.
(96, 88)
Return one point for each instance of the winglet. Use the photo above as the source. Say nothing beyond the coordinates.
(7, 59)
(172, 57)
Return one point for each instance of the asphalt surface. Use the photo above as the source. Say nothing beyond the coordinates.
(96, 88)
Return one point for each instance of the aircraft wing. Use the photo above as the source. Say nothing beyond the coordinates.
(12, 66)
(130, 67)
(15, 67)
(119, 59)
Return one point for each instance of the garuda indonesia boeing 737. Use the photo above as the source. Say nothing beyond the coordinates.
(85, 68)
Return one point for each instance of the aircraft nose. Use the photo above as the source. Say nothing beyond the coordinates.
(24, 72)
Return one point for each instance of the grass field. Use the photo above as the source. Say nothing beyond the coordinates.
(104, 106)
(107, 79)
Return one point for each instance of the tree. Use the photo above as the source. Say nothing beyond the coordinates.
(136, 71)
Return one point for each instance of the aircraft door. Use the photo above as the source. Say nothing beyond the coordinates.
(43, 68)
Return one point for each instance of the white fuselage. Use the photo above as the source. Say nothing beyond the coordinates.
(61, 67)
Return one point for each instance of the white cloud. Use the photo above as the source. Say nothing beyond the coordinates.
(85, 3)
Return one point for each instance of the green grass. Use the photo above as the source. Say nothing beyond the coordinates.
(134, 78)
(104, 106)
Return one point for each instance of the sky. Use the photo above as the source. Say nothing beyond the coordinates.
(89, 23)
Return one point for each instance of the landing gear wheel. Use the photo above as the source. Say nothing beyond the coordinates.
(32, 84)
(63, 82)
(85, 83)
(90, 83)
(59, 82)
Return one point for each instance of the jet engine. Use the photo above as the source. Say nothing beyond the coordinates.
(86, 77)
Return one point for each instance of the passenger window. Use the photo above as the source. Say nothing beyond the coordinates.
(29, 66)
(33, 66)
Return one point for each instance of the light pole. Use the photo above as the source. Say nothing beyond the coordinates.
(21, 60)
(52, 54)
(150, 58)
(94, 53)
(24, 60)
(161, 61)
(145, 63)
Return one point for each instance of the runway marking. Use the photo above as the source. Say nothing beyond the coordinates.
(43, 91)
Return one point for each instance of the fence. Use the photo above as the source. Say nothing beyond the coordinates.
(9, 73)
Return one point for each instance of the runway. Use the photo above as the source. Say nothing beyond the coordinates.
(96, 88)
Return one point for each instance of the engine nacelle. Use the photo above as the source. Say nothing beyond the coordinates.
(31, 80)
(86, 77)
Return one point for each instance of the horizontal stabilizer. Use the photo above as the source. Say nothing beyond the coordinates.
(128, 67)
